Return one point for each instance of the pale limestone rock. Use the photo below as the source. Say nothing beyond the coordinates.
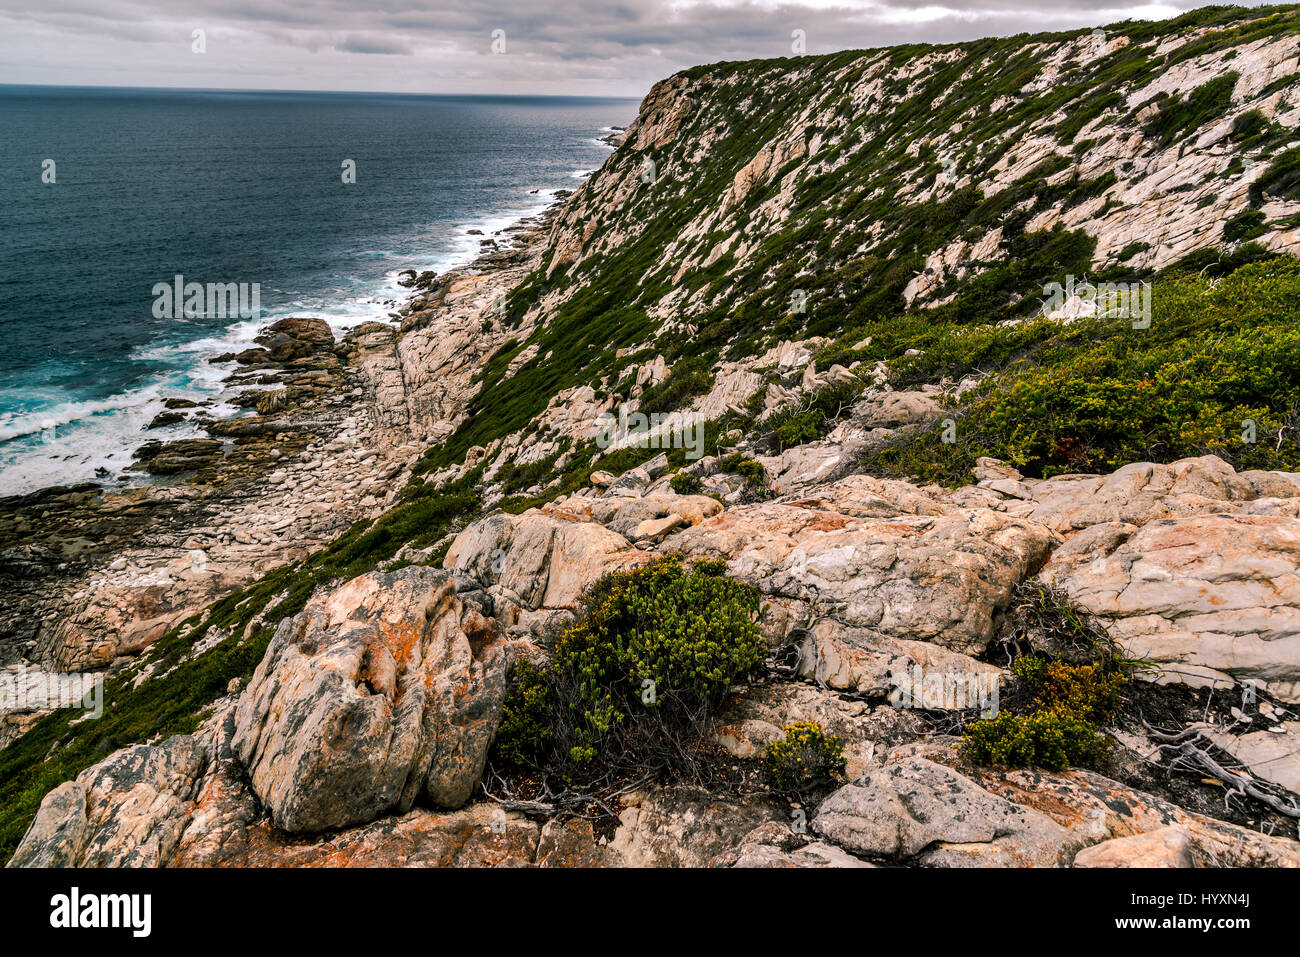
(1215, 597)
(917, 570)
(378, 692)
(127, 811)
(665, 828)
(536, 560)
(656, 529)
(1164, 847)
(893, 409)
(918, 810)
(859, 659)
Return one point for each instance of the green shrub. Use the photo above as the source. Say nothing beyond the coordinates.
(1053, 740)
(525, 730)
(1219, 365)
(634, 682)
(805, 759)
(1178, 116)
(809, 419)
(1248, 125)
(684, 483)
(1245, 225)
(686, 380)
(747, 468)
(1065, 703)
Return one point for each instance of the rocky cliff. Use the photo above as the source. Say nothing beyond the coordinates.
(821, 282)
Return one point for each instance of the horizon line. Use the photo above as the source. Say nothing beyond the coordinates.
(218, 89)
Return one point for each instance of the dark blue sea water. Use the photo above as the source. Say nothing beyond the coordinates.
(232, 187)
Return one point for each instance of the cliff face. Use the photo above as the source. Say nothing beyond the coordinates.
(755, 203)
(1125, 135)
(830, 270)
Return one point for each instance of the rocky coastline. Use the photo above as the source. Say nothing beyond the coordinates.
(91, 575)
(890, 477)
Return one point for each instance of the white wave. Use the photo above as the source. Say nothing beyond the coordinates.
(74, 441)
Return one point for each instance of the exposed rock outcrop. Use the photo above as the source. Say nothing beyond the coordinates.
(382, 691)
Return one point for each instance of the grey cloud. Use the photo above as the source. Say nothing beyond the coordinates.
(565, 46)
(373, 44)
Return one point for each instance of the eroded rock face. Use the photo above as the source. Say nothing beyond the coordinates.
(777, 845)
(1096, 809)
(127, 811)
(757, 717)
(534, 562)
(665, 828)
(893, 409)
(376, 693)
(1164, 847)
(119, 621)
(1213, 597)
(922, 810)
(877, 557)
(1144, 491)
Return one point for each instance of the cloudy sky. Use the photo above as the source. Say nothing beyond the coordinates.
(434, 46)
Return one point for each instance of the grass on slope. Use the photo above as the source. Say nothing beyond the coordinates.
(1218, 371)
(175, 700)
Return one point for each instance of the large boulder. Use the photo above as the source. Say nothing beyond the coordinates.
(919, 811)
(376, 693)
(752, 720)
(129, 810)
(924, 808)
(1145, 491)
(866, 661)
(1164, 847)
(1096, 809)
(894, 409)
(881, 556)
(774, 845)
(535, 564)
(296, 337)
(1213, 598)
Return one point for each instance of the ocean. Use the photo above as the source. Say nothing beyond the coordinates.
(239, 188)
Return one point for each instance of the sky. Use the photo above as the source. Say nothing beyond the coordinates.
(556, 47)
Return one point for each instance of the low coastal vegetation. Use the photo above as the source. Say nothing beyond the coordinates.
(1065, 686)
(805, 760)
(1059, 726)
(632, 685)
(1217, 371)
